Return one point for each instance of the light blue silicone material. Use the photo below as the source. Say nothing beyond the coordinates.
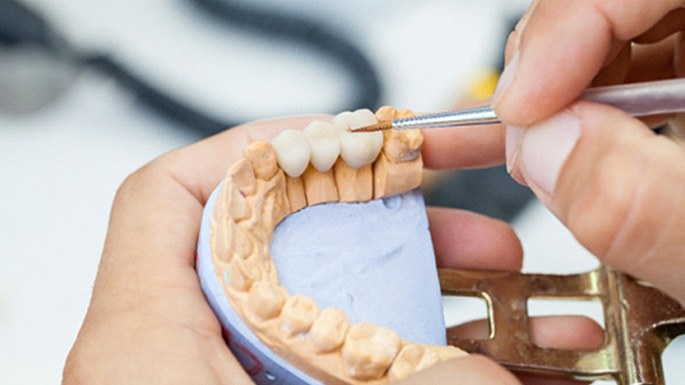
(374, 260)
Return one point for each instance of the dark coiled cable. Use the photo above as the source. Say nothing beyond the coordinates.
(20, 25)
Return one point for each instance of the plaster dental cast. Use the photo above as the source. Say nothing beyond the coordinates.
(395, 275)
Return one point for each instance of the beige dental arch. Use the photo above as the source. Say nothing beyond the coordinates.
(323, 163)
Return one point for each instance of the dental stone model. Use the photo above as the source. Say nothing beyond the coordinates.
(310, 308)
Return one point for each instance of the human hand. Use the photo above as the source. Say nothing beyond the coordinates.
(614, 183)
(148, 321)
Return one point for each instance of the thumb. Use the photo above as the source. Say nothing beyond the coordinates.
(616, 185)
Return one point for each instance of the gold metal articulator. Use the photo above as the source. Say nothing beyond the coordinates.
(639, 320)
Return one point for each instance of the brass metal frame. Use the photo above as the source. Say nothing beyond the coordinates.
(639, 322)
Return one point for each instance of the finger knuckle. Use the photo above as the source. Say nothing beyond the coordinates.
(604, 208)
(142, 178)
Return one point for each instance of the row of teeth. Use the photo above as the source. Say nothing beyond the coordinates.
(368, 351)
(322, 142)
(251, 204)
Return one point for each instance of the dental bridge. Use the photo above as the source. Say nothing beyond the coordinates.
(325, 162)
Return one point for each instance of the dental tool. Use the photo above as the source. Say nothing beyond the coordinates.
(637, 99)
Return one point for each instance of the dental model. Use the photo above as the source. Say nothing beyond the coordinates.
(298, 169)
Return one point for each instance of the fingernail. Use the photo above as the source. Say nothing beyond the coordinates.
(512, 151)
(506, 78)
(545, 147)
(511, 142)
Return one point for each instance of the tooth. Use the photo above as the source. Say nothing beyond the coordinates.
(402, 146)
(241, 174)
(328, 330)
(386, 113)
(265, 300)
(393, 178)
(263, 158)
(357, 149)
(390, 113)
(298, 314)
(271, 206)
(399, 168)
(354, 184)
(293, 151)
(369, 350)
(358, 118)
(228, 239)
(243, 274)
(404, 113)
(295, 190)
(319, 186)
(324, 143)
(411, 359)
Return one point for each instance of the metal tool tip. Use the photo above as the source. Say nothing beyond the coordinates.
(382, 125)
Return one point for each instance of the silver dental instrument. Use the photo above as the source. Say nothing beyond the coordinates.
(637, 99)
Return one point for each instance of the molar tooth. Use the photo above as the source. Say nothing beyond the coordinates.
(357, 149)
(298, 314)
(411, 359)
(263, 158)
(328, 330)
(369, 350)
(265, 300)
(402, 146)
(293, 152)
(324, 143)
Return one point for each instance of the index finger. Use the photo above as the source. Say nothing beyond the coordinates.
(463, 147)
(562, 47)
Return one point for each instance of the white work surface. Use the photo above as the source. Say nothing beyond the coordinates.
(60, 167)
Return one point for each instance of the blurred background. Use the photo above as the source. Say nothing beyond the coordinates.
(95, 89)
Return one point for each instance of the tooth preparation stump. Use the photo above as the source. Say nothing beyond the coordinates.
(312, 339)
